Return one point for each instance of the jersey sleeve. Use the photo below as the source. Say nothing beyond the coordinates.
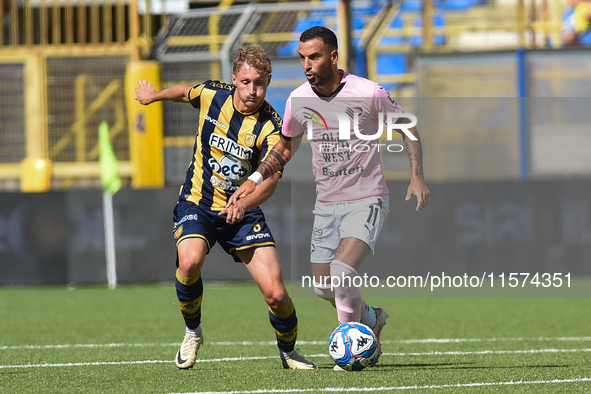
(291, 127)
(385, 104)
(195, 94)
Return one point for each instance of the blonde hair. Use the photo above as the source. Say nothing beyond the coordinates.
(254, 56)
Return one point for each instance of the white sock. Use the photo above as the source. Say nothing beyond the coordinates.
(368, 316)
(197, 331)
(347, 296)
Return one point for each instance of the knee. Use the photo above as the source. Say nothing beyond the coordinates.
(190, 264)
(344, 272)
(324, 292)
(278, 300)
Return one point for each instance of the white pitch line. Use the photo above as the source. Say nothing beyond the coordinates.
(44, 365)
(85, 364)
(458, 340)
(274, 343)
(88, 345)
(211, 360)
(369, 389)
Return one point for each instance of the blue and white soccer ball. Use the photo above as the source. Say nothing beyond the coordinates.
(353, 347)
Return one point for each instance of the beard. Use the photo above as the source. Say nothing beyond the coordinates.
(322, 77)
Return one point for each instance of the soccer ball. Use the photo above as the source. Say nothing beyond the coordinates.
(353, 347)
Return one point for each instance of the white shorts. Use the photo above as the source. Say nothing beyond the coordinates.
(361, 219)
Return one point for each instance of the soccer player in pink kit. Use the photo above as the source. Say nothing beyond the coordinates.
(352, 197)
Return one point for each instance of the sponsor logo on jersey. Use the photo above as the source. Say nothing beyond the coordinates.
(230, 146)
(225, 185)
(326, 171)
(231, 168)
(215, 122)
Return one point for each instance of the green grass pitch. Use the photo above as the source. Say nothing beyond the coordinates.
(95, 340)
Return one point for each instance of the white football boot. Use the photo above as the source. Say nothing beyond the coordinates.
(294, 360)
(187, 354)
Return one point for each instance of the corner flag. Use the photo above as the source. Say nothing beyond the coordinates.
(109, 177)
(111, 184)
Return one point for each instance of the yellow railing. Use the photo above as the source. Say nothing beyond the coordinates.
(528, 24)
(40, 31)
(78, 129)
(76, 23)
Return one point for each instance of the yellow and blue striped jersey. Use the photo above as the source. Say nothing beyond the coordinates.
(229, 144)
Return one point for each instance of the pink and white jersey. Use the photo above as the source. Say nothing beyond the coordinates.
(345, 169)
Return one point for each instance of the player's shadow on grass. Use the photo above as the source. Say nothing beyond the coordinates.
(466, 365)
(394, 366)
(423, 365)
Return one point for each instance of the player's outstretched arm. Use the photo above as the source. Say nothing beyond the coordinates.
(146, 94)
(417, 186)
(273, 163)
(260, 195)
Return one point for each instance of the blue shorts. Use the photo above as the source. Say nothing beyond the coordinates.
(252, 231)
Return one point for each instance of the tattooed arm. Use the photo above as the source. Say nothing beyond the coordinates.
(414, 150)
(273, 163)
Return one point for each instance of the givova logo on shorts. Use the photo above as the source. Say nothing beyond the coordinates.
(256, 228)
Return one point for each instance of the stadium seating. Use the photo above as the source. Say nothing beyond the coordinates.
(438, 21)
(291, 47)
(397, 63)
(410, 15)
(456, 5)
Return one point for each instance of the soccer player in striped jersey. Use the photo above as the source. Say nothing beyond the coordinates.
(352, 198)
(237, 128)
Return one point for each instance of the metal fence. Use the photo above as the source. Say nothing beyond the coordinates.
(76, 53)
(12, 121)
(62, 67)
(59, 119)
